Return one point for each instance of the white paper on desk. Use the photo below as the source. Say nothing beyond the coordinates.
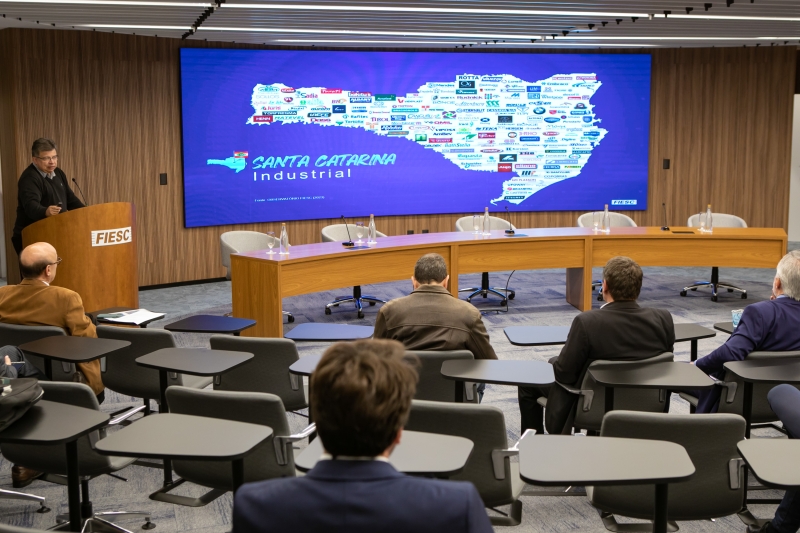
(136, 316)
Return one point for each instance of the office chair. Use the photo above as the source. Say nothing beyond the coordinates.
(51, 459)
(465, 224)
(716, 490)
(15, 335)
(339, 233)
(618, 220)
(239, 242)
(721, 220)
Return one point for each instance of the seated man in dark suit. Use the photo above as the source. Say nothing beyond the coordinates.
(360, 398)
(430, 318)
(785, 401)
(619, 330)
(772, 325)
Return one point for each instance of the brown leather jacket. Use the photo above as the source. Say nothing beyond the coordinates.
(430, 318)
(34, 303)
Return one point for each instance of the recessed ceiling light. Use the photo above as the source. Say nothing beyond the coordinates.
(333, 41)
(111, 3)
(132, 27)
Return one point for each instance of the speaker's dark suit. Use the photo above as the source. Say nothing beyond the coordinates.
(620, 331)
(770, 326)
(356, 497)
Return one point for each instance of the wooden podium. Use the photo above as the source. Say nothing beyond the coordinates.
(98, 246)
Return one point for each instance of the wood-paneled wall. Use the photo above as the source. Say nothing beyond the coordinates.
(723, 116)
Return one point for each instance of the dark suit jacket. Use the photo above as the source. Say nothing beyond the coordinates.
(620, 331)
(356, 497)
(430, 318)
(35, 194)
(771, 326)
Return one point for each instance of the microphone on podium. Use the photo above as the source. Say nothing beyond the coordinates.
(80, 191)
(350, 243)
(665, 227)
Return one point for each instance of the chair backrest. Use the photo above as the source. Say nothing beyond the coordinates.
(760, 412)
(237, 242)
(710, 440)
(485, 426)
(15, 335)
(338, 232)
(52, 458)
(431, 385)
(268, 371)
(465, 223)
(586, 220)
(122, 374)
(720, 220)
(252, 407)
(646, 400)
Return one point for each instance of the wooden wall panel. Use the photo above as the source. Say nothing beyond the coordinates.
(112, 102)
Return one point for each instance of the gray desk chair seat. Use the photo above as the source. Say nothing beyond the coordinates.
(431, 385)
(465, 224)
(720, 220)
(239, 242)
(15, 335)
(731, 399)
(267, 372)
(488, 468)
(124, 376)
(273, 458)
(618, 220)
(716, 489)
(590, 407)
(339, 233)
(51, 459)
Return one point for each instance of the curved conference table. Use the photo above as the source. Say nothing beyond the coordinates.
(260, 281)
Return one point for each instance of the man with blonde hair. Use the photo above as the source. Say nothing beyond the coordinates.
(772, 326)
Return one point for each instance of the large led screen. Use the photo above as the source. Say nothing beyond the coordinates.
(291, 135)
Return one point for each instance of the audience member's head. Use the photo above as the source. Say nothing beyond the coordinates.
(39, 261)
(360, 397)
(430, 269)
(622, 279)
(787, 278)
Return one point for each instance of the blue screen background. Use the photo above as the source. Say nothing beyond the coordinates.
(217, 85)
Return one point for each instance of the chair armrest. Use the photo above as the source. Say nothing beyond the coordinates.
(731, 387)
(295, 381)
(126, 415)
(283, 443)
(469, 391)
(499, 456)
(588, 395)
(735, 468)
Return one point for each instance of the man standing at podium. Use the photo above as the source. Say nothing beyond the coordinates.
(43, 190)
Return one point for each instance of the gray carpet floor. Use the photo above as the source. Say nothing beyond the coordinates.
(540, 300)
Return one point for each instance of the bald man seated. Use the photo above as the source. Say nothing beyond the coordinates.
(34, 302)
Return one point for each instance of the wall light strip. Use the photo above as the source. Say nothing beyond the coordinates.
(131, 27)
(657, 38)
(368, 32)
(726, 17)
(110, 3)
(333, 41)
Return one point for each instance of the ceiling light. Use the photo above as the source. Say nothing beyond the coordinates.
(729, 17)
(655, 38)
(405, 9)
(367, 32)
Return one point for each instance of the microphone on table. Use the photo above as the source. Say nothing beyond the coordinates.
(510, 230)
(665, 227)
(80, 191)
(347, 244)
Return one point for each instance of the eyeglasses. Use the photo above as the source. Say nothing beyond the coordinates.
(58, 261)
(47, 159)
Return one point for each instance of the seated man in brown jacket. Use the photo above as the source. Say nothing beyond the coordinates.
(34, 302)
(430, 318)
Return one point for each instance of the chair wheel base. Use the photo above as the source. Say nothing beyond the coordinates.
(683, 293)
(372, 304)
(744, 296)
(290, 319)
(360, 313)
(149, 525)
(43, 509)
(713, 297)
(327, 310)
(503, 303)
